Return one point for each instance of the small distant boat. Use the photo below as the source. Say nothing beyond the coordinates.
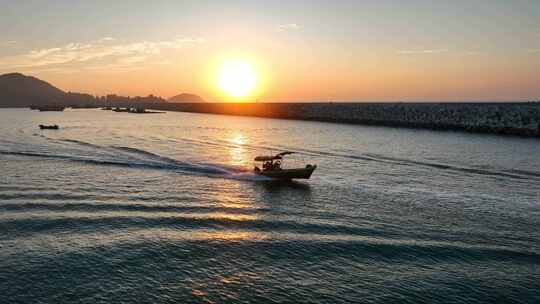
(55, 108)
(272, 167)
(140, 110)
(51, 127)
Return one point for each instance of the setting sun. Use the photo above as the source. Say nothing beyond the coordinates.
(237, 78)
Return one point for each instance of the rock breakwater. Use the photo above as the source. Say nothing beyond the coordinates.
(499, 118)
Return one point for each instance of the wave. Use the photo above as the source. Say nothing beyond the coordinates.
(49, 196)
(307, 240)
(511, 173)
(517, 174)
(176, 165)
(139, 158)
(525, 172)
(78, 142)
(177, 221)
(105, 207)
(150, 156)
(141, 152)
(147, 160)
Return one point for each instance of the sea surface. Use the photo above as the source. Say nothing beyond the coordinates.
(164, 208)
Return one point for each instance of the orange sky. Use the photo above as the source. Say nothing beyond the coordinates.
(301, 51)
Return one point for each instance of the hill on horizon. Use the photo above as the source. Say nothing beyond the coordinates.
(185, 97)
(18, 90)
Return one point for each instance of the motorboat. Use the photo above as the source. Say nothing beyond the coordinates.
(49, 108)
(51, 127)
(272, 167)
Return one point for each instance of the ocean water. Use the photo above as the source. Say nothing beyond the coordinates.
(164, 208)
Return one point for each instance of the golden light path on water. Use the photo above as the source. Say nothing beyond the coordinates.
(238, 153)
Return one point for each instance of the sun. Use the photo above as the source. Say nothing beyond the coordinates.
(237, 78)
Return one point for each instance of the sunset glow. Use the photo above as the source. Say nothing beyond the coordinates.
(293, 51)
(237, 78)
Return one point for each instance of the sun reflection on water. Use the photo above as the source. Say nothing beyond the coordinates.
(238, 153)
(228, 235)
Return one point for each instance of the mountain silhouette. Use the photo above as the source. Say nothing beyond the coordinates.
(188, 98)
(18, 90)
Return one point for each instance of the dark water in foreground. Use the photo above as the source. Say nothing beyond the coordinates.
(122, 208)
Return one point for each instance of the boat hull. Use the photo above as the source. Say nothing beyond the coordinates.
(288, 174)
(43, 127)
(51, 108)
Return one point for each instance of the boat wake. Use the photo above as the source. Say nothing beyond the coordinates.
(76, 150)
(495, 172)
(371, 157)
(130, 157)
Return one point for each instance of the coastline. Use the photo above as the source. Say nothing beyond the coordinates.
(521, 119)
(510, 118)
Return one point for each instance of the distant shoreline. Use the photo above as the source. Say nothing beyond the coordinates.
(504, 118)
(509, 118)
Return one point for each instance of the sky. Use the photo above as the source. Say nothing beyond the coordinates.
(340, 50)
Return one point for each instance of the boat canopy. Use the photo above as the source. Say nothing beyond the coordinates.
(267, 158)
(285, 153)
(271, 158)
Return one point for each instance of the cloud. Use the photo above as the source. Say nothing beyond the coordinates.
(421, 52)
(105, 39)
(9, 43)
(102, 51)
(133, 59)
(288, 27)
